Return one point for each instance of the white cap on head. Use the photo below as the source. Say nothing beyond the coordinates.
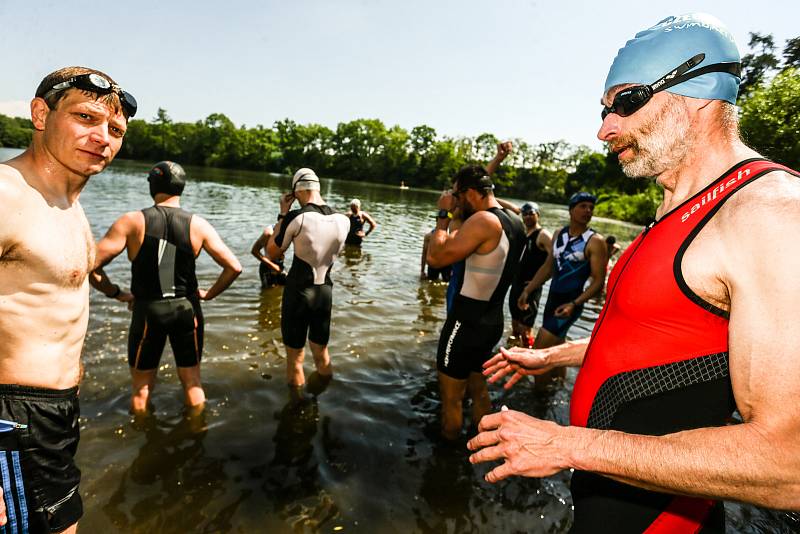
(355, 202)
(305, 180)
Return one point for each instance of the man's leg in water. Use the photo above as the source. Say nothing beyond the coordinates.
(479, 393)
(294, 367)
(546, 339)
(322, 358)
(143, 384)
(194, 396)
(452, 391)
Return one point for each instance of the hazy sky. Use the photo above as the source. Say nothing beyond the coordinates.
(514, 68)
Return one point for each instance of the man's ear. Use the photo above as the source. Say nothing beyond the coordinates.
(39, 111)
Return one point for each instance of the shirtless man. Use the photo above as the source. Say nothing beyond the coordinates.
(699, 318)
(79, 118)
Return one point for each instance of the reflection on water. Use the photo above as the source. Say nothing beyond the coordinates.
(362, 456)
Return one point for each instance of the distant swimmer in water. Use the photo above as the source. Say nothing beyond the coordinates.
(358, 219)
(79, 117)
(403, 185)
(576, 254)
(270, 272)
(318, 234)
(488, 244)
(162, 243)
(612, 248)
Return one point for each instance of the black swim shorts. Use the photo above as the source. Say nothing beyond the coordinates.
(306, 311)
(39, 476)
(464, 347)
(179, 319)
(526, 317)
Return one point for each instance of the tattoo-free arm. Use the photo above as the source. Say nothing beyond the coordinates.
(221, 254)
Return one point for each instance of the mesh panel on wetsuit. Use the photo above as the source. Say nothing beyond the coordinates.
(641, 383)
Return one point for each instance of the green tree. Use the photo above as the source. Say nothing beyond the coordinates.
(770, 118)
(758, 64)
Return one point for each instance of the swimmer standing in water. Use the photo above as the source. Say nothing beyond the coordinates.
(358, 219)
(699, 320)
(270, 272)
(163, 242)
(318, 234)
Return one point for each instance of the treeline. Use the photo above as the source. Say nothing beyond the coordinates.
(368, 150)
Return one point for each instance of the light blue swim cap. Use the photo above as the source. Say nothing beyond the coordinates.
(654, 52)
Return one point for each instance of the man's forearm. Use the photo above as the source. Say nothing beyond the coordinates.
(739, 462)
(569, 353)
(593, 289)
(99, 280)
(225, 279)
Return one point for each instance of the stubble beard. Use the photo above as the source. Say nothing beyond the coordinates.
(660, 144)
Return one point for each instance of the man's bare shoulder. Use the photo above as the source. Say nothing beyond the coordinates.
(770, 203)
(12, 183)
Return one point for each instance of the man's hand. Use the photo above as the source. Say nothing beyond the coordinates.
(565, 310)
(286, 201)
(202, 293)
(446, 201)
(521, 362)
(504, 149)
(522, 301)
(530, 447)
(125, 296)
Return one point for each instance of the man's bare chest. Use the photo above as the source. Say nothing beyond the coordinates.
(50, 246)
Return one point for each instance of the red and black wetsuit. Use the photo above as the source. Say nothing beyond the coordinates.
(657, 364)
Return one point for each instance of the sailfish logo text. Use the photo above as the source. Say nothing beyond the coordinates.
(712, 195)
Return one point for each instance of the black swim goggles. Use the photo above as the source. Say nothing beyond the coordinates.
(96, 84)
(630, 100)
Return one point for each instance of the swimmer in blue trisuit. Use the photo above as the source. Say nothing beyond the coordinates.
(577, 253)
(270, 272)
(163, 242)
(318, 234)
(358, 219)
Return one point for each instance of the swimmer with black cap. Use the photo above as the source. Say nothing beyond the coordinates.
(698, 319)
(163, 242)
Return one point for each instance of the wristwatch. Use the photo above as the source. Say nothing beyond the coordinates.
(281, 216)
(444, 214)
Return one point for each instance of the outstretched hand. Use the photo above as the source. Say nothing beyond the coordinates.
(528, 446)
(519, 361)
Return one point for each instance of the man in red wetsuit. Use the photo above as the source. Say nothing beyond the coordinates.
(697, 321)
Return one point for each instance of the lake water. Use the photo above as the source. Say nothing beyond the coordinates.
(364, 455)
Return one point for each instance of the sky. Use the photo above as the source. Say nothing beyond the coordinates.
(523, 69)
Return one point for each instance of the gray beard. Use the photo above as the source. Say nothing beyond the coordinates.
(662, 143)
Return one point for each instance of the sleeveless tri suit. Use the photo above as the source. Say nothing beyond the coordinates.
(474, 323)
(657, 364)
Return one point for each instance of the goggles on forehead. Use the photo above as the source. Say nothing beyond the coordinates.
(630, 100)
(96, 84)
